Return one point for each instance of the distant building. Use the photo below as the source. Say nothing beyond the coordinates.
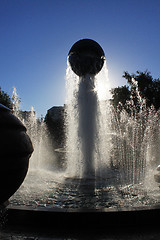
(55, 123)
(56, 113)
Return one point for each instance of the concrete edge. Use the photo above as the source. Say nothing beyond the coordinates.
(83, 218)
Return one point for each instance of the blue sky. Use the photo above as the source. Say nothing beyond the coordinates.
(36, 36)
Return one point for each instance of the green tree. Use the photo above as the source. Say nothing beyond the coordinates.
(120, 95)
(5, 99)
(141, 83)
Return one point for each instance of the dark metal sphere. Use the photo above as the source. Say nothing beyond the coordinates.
(15, 151)
(86, 57)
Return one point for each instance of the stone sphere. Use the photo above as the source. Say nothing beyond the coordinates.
(15, 151)
(86, 57)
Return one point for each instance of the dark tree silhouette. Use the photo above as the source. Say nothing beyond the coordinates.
(120, 95)
(5, 99)
(147, 87)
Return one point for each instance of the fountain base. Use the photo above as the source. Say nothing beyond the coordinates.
(68, 193)
(73, 219)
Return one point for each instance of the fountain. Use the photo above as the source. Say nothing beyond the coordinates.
(111, 155)
(86, 59)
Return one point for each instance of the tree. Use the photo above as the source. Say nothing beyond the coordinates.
(5, 99)
(141, 83)
(120, 95)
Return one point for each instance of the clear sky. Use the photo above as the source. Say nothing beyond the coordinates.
(36, 36)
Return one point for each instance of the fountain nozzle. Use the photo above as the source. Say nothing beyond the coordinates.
(86, 57)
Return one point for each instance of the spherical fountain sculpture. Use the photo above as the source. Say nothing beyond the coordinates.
(15, 151)
(86, 57)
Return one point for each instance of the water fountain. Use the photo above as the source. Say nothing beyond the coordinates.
(86, 58)
(111, 156)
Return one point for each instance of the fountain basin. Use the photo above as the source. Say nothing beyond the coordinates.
(69, 206)
(71, 220)
(58, 191)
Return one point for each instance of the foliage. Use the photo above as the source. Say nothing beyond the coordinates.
(5, 99)
(120, 95)
(141, 83)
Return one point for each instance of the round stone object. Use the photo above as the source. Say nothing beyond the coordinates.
(86, 57)
(15, 151)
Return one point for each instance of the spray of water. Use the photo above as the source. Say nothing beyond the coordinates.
(15, 102)
(87, 121)
(43, 156)
(100, 139)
